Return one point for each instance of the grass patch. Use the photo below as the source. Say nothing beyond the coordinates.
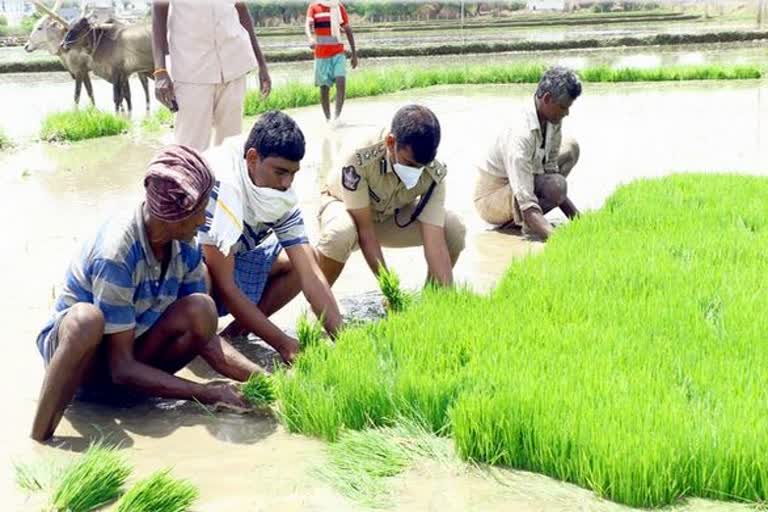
(359, 462)
(160, 118)
(309, 332)
(83, 124)
(259, 390)
(375, 83)
(94, 479)
(40, 475)
(627, 358)
(389, 283)
(159, 493)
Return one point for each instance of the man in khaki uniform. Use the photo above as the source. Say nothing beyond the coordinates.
(392, 193)
(524, 175)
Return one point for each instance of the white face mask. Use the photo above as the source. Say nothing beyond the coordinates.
(263, 204)
(407, 174)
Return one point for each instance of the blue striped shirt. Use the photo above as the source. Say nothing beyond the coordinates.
(118, 272)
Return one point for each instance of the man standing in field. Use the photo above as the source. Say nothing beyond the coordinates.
(212, 48)
(325, 20)
(391, 192)
(524, 175)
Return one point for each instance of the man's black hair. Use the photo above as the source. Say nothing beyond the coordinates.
(417, 126)
(276, 134)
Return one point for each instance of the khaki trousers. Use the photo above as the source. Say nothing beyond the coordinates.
(338, 233)
(495, 200)
(206, 108)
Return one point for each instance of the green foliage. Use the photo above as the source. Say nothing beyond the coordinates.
(375, 83)
(93, 480)
(309, 333)
(627, 358)
(259, 390)
(40, 475)
(160, 118)
(159, 493)
(82, 124)
(389, 283)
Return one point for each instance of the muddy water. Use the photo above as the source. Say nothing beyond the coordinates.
(26, 98)
(56, 195)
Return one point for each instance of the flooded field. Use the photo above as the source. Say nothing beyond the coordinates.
(56, 195)
(26, 98)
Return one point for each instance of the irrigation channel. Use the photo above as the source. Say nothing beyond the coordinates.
(57, 194)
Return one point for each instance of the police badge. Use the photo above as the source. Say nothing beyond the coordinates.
(349, 178)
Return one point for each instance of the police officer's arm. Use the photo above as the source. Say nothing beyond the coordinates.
(366, 238)
(431, 225)
(315, 287)
(440, 270)
(248, 314)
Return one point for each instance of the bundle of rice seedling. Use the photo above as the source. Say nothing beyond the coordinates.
(259, 390)
(389, 283)
(91, 481)
(159, 493)
(308, 332)
(39, 475)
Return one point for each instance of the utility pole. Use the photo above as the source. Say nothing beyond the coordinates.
(760, 13)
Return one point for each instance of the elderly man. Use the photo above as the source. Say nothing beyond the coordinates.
(212, 47)
(524, 175)
(391, 192)
(134, 309)
(255, 242)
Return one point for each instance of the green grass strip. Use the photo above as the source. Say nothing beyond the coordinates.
(160, 118)
(159, 493)
(83, 124)
(375, 83)
(259, 390)
(94, 479)
(628, 358)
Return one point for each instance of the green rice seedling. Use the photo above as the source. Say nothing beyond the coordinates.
(309, 333)
(82, 124)
(94, 479)
(627, 358)
(159, 493)
(158, 119)
(359, 461)
(389, 283)
(374, 83)
(259, 390)
(39, 475)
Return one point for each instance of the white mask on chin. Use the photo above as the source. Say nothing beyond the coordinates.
(264, 204)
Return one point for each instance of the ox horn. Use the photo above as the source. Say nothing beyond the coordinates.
(50, 13)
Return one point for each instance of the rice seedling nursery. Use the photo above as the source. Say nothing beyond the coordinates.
(610, 358)
(619, 359)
